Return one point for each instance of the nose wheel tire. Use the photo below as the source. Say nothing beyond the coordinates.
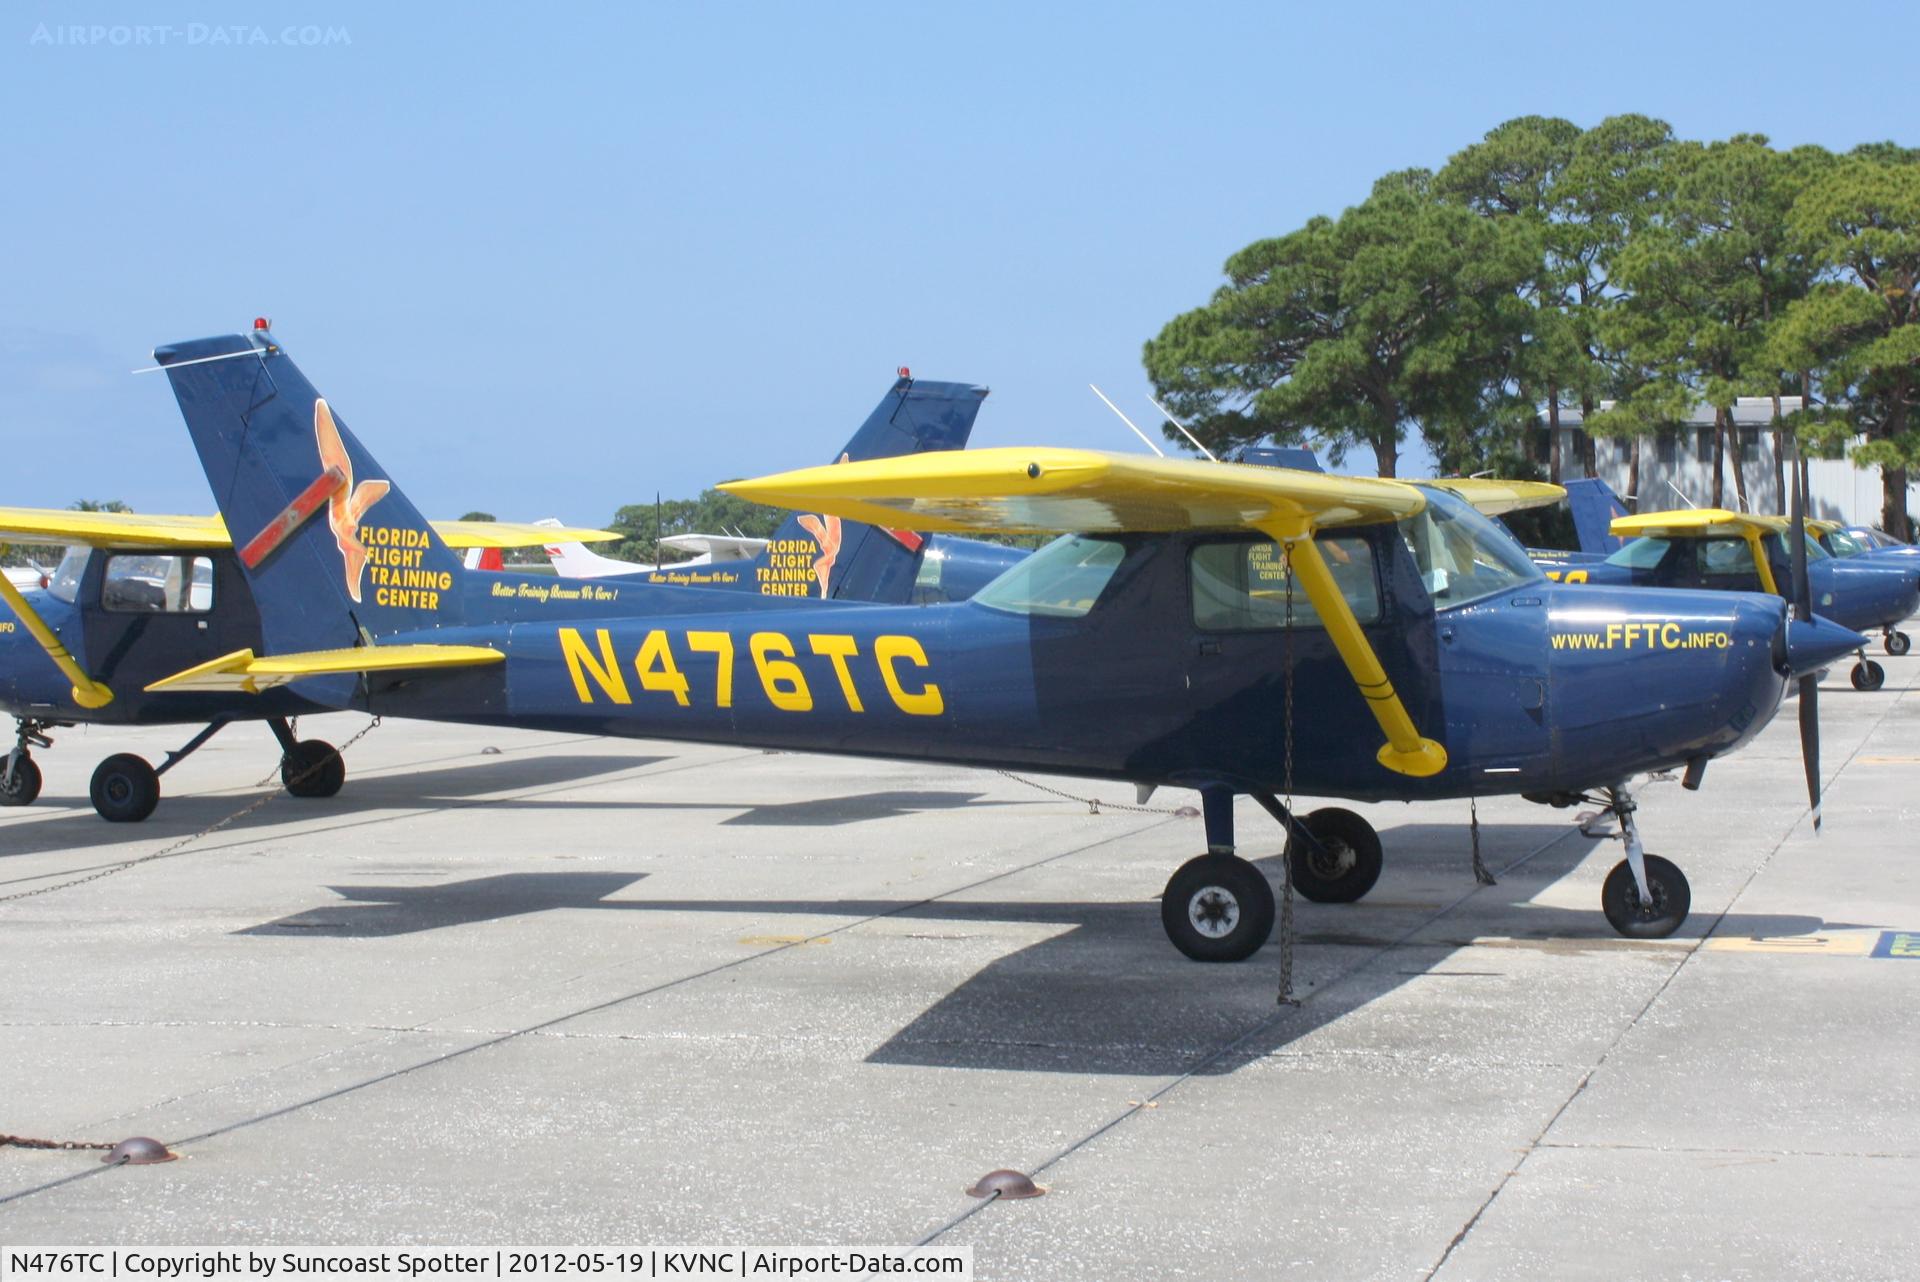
(1898, 643)
(1217, 908)
(125, 789)
(22, 787)
(313, 769)
(1672, 898)
(1347, 863)
(1868, 675)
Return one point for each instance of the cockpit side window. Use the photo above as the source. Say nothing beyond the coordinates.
(142, 583)
(1727, 562)
(1244, 584)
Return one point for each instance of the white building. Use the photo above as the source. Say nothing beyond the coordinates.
(1679, 461)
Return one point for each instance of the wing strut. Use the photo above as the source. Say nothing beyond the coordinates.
(1406, 751)
(87, 692)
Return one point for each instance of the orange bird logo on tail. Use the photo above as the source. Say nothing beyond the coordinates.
(827, 536)
(825, 532)
(348, 502)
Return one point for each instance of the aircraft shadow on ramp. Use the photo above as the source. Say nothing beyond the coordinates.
(1106, 993)
(394, 788)
(378, 912)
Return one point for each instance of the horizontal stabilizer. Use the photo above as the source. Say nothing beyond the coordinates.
(1497, 498)
(140, 531)
(243, 670)
(1016, 490)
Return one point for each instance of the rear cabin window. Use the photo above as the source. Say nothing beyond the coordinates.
(1062, 580)
(1641, 554)
(65, 585)
(146, 584)
(1244, 585)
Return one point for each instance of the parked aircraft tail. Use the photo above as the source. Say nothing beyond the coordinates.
(334, 550)
(1594, 505)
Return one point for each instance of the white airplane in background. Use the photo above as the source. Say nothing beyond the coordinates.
(577, 561)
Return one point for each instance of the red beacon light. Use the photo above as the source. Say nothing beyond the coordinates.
(261, 322)
(905, 372)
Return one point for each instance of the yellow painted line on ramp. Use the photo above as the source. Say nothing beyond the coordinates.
(1851, 944)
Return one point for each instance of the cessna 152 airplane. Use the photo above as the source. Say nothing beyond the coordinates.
(1228, 628)
(137, 593)
(140, 597)
(1877, 547)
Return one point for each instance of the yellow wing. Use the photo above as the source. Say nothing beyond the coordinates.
(1497, 498)
(242, 670)
(1017, 490)
(140, 531)
(1029, 490)
(1692, 521)
(112, 530)
(513, 534)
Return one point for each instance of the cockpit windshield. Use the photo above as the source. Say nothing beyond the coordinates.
(1783, 547)
(1463, 556)
(1844, 544)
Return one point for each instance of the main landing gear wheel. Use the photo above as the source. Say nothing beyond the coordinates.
(125, 789)
(1898, 643)
(1672, 898)
(1217, 908)
(21, 786)
(312, 768)
(1868, 675)
(1347, 863)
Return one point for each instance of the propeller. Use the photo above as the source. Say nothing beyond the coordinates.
(1803, 611)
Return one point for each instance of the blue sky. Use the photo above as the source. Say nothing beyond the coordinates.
(551, 260)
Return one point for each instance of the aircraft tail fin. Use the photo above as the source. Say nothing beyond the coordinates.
(813, 554)
(333, 550)
(1594, 505)
(578, 561)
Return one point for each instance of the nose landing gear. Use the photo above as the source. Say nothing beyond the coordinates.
(1868, 675)
(1645, 896)
(19, 776)
(1897, 643)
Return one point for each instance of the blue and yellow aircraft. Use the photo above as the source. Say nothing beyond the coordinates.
(1233, 629)
(1877, 547)
(1716, 549)
(140, 597)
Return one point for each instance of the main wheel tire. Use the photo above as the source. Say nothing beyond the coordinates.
(1868, 675)
(125, 789)
(1672, 898)
(1898, 643)
(1217, 908)
(23, 788)
(1347, 863)
(313, 769)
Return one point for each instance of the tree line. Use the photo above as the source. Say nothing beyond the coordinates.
(1547, 267)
